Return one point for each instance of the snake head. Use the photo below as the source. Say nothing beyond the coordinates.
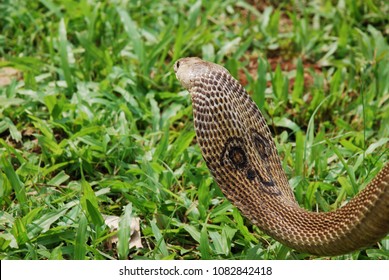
(190, 69)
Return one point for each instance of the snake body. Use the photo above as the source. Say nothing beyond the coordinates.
(238, 148)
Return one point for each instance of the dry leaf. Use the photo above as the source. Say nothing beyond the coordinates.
(7, 74)
(113, 223)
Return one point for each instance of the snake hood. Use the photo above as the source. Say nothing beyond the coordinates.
(239, 150)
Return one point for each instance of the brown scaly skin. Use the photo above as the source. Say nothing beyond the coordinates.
(238, 148)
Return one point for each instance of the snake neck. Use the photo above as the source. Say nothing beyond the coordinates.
(239, 150)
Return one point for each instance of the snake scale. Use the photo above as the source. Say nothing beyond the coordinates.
(238, 148)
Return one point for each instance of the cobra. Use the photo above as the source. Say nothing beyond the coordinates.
(239, 151)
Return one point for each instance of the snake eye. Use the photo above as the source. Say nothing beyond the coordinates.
(176, 66)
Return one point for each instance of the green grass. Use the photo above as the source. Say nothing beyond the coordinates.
(96, 123)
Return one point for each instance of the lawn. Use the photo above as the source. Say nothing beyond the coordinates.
(94, 126)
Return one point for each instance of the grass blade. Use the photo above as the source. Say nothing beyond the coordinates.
(124, 232)
(134, 36)
(80, 246)
(160, 245)
(64, 55)
(16, 183)
(298, 87)
(260, 84)
(204, 244)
